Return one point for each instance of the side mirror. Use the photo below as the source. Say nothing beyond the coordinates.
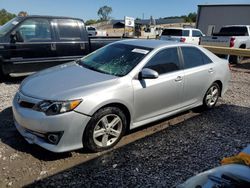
(147, 73)
(15, 36)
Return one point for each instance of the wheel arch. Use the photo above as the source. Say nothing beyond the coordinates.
(220, 85)
(122, 107)
(243, 46)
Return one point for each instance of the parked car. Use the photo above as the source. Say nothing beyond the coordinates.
(32, 43)
(92, 31)
(188, 35)
(233, 36)
(93, 101)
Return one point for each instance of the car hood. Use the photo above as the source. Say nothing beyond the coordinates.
(65, 82)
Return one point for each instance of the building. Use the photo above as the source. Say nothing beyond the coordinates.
(158, 22)
(211, 18)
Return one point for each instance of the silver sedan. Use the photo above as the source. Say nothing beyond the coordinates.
(93, 101)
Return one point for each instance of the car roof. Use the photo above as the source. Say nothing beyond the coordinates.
(151, 43)
(49, 17)
(181, 28)
(236, 26)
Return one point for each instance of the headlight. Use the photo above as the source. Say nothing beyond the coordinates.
(56, 107)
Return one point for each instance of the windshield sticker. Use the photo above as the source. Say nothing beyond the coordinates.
(14, 22)
(141, 51)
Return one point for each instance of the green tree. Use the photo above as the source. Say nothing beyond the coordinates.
(90, 22)
(192, 16)
(5, 16)
(104, 13)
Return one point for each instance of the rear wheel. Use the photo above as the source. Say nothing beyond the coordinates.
(211, 97)
(105, 129)
(235, 59)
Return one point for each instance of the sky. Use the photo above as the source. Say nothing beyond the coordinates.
(87, 9)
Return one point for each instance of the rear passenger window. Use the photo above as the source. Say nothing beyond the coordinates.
(68, 30)
(196, 33)
(165, 61)
(193, 57)
(185, 33)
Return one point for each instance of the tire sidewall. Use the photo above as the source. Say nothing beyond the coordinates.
(204, 99)
(88, 140)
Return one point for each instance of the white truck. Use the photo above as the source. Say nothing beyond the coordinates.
(92, 31)
(188, 35)
(233, 36)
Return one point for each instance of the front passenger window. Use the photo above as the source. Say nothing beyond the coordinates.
(34, 30)
(165, 61)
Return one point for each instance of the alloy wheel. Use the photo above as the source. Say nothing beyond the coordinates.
(212, 96)
(107, 130)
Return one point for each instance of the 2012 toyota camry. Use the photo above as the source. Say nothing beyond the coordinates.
(93, 101)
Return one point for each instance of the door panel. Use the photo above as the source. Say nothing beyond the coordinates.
(30, 57)
(198, 74)
(157, 96)
(70, 37)
(197, 80)
(32, 47)
(153, 97)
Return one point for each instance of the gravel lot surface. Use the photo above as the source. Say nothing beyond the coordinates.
(180, 147)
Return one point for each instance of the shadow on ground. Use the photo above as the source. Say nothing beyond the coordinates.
(244, 65)
(13, 80)
(166, 158)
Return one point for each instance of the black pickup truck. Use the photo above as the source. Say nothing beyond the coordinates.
(31, 43)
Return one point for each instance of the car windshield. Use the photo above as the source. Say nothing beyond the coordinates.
(115, 59)
(8, 26)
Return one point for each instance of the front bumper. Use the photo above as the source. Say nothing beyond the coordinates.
(31, 124)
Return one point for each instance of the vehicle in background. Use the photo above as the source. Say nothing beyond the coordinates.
(233, 36)
(187, 35)
(93, 101)
(92, 31)
(32, 43)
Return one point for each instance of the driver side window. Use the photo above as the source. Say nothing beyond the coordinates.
(34, 30)
(165, 61)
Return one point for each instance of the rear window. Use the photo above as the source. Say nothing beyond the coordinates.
(233, 31)
(175, 32)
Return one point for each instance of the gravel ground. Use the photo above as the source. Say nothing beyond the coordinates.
(164, 159)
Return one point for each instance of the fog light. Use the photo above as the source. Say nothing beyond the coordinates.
(53, 138)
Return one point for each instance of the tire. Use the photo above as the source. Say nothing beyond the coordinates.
(211, 97)
(235, 59)
(2, 75)
(100, 133)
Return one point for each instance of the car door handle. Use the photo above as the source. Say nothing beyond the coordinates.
(211, 70)
(82, 46)
(178, 79)
(53, 47)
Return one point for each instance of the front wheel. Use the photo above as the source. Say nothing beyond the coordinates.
(211, 97)
(105, 129)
